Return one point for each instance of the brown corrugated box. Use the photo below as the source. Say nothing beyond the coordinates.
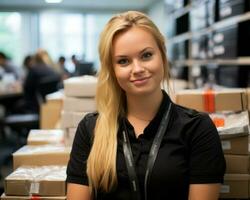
(4, 197)
(50, 113)
(42, 136)
(41, 155)
(237, 164)
(248, 98)
(235, 186)
(226, 99)
(236, 145)
(42, 181)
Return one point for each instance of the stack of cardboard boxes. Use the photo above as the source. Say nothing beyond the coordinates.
(78, 101)
(235, 141)
(34, 182)
(39, 168)
(228, 109)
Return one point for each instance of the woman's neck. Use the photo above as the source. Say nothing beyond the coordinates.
(145, 107)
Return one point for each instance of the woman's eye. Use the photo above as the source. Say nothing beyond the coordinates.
(122, 61)
(147, 55)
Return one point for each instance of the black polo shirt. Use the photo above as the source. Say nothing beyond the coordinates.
(190, 153)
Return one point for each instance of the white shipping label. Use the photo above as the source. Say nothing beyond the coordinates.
(225, 189)
(34, 188)
(226, 145)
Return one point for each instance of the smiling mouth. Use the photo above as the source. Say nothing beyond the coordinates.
(140, 79)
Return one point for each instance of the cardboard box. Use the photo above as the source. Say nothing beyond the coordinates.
(237, 164)
(4, 197)
(71, 119)
(231, 124)
(248, 98)
(50, 114)
(42, 181)
(235, 186)
(84, 86)
(40, 137)
(213, 101)
(55, 96)
(237, 145)
(41, 155)
(72, 104)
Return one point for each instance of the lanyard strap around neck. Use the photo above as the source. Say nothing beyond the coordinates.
(151, 159)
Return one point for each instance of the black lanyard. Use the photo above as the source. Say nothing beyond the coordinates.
(151, 158)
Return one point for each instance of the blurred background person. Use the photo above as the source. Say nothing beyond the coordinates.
(75, 62)
(7, 66)
(44, 55)
(27, 62)
(63, 69)
(39, 69)
(42, 68)
(26, 66)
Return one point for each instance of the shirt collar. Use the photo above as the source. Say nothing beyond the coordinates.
(152, 127)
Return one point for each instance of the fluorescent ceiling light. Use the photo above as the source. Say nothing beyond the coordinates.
(53, 1)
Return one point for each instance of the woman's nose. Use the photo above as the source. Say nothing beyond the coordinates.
(137, 67)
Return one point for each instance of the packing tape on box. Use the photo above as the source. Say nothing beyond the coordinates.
(209, 101)
(34, 188)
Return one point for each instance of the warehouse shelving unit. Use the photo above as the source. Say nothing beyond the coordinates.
(193, 28)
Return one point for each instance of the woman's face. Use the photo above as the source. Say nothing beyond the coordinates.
(137, 62)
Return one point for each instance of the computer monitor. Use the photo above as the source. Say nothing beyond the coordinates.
(85, 68)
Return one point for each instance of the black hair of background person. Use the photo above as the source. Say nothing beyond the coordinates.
(7, 65)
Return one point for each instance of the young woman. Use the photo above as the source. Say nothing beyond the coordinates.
(139, 144)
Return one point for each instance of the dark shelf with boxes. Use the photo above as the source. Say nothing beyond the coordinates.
(209, 40)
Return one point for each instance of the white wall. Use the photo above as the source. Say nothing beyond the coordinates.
(158, 15)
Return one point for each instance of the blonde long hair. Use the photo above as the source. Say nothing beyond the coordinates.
(42, 56)
(111, 101)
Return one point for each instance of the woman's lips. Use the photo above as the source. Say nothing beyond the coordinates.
(140, 81)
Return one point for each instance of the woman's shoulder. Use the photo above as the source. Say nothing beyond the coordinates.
(194, 124)
(90, 116)
(188, 112)
(86, 126)
(188, 115)
(89, 119)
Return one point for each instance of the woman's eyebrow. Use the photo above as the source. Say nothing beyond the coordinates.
(143, 50)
